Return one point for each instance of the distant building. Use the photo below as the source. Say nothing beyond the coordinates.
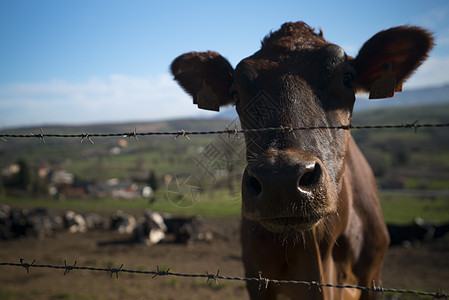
(113, 188)
(62, 177)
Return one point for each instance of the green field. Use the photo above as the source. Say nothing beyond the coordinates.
(397, 209)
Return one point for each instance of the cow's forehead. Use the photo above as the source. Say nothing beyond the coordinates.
(293, 36)
(294, 47)
(316, 66)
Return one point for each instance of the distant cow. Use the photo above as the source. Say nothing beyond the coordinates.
(416, 233)
(309, 202)
(441, 231)
(37, 222)
(93, 221)
(123, 223)
(75, 222)
(187, 229)
(151, 228)
(154, 228)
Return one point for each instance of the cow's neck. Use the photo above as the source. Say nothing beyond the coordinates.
(309, 258)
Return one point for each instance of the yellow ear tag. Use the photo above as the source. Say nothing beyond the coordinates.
(386, 85)
(206, 98)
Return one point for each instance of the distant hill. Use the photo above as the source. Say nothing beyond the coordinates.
(411, 160)
(407, 98)
(418, 97)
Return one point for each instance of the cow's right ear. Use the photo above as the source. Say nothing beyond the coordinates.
(206, 76)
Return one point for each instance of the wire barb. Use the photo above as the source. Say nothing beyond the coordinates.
(415, 125)
(440, 295)
(212, 276)
(378, 289)
(161, 273)
(115, 271)
(68, 268)
(39, 136)
(182, 133)
(27, 265)
(262, 280)
(234, 131)
(86, 136)
(133, 134)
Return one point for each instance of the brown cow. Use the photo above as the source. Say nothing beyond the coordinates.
(309, 203)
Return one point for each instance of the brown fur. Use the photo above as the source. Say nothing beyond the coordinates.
(309, 203)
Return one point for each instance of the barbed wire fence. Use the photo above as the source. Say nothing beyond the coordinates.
(263, 282)
(88, 136)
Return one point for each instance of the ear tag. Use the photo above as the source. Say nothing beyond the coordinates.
(207, 99)
(386, 85)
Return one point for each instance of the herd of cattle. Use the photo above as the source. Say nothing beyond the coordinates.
(151, 228)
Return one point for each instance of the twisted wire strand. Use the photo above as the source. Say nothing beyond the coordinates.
(263, 282)
(41, 135)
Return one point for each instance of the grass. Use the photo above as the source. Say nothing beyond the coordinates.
(397, 208)
(10, 295)
(402, 209)
(216, 203)
(426, 183)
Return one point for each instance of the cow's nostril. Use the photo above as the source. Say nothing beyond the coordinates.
(253, 185)
(310, 176)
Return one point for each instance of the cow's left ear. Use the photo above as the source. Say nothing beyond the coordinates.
(389, 58)
(206, 76)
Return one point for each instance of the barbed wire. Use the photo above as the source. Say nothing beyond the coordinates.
(83, 136)
(263, 282)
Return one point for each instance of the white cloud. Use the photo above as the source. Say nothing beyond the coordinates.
(117, 98)
(120, 98)
(433, 72)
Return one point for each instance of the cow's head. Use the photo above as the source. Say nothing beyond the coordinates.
(298, 79)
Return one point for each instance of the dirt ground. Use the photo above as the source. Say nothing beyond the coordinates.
(420, 268)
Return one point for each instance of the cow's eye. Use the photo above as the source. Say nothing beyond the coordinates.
(348, 79)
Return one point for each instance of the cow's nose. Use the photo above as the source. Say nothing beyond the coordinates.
(309, 177)
(297, 179)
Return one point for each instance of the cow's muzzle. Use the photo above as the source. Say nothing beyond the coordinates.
(286, 189)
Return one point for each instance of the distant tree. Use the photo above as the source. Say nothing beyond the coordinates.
(40, 188)
(152, 181)
(24, 177)
(2, 187)
(400, 153)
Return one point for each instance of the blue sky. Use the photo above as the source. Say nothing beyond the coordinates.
(81, 62)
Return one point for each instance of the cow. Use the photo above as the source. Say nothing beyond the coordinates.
(187, 230)
(123, 223)
(150, 229)
(310, 209)
(75, 222)
(419, 231)
(30, 223)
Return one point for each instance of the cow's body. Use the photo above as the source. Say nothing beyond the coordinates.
(348, 248)
(309, 204)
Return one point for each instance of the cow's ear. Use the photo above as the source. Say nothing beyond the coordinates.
(206, 76)
(389, 58)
